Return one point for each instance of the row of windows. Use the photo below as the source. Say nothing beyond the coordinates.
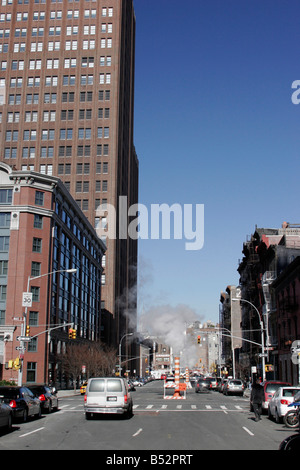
(50, 116)
(54, 15)
(84, 96)
(63, 151)
(64, 134)
(56, 31)
(51, 64)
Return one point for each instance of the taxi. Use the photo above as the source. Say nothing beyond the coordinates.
(83, 388)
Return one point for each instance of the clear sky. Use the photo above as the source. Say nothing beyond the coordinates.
(214, 125)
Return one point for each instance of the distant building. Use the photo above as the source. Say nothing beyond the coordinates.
(230, 333)
(202, 345)
(42, 231)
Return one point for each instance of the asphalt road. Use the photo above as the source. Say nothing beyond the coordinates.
(209, 421)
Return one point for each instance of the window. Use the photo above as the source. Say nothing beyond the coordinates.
(35, 268)
(35, 293)
(37, 245)
(5, 196)
(38, 221)
(39, 198)
(31, 372)
(3, 267)
(4, 243)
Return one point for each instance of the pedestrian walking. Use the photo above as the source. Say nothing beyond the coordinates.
(256, 399)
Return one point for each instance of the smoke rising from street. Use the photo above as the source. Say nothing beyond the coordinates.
(168, 324)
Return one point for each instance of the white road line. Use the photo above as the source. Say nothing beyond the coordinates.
(194, 407)
(247, 430)
(208, 407)
(163, 407)
(179, 407)
(135, 406)
(31, 432)
(137, 433)
(149, 407)
(238, 407)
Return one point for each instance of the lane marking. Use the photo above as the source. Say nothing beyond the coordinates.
(31, 432)
(137, 433)
(247, 430)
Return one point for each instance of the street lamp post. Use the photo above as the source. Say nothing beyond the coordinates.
(262, 336)
(71, 270)
(120, 350)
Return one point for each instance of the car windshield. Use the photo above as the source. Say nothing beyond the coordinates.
(236, 382)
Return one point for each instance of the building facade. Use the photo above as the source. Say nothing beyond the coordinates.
(287, 296)
(49, 249)
(230, 333)
(67, 91)
(267, 253)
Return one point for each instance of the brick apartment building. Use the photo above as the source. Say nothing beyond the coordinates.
(42, 231)
(67, 97)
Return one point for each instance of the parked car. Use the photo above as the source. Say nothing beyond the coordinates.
(270, 387)
(107, 395)
(48, 400)
(131, 386)
(213, 381)
(5, 415)
(222, 385)
(278, 405)
(203, 385)
(22, 401)
(234, 387)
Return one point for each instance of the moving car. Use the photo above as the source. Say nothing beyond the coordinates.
(83, 388)
(270, 387)
(279, 403)
(5, 415)
(21, 400)
(48, 400)
(203, 385)
(107, 395)
(234, 387)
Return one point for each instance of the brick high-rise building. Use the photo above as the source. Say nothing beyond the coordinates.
(67, 96)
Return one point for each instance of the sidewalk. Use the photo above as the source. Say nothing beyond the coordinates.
(67, 393)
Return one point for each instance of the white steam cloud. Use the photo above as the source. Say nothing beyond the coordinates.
(168, 324)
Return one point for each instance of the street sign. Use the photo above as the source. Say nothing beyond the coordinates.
(23, 338)
(27, 299)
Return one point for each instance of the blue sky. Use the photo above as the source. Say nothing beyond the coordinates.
(214, 125)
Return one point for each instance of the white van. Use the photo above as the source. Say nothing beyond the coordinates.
(107, 395)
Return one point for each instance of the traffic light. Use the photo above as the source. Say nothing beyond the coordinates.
(198, 339)
(17, 364)
(72, 333)
(27, 330)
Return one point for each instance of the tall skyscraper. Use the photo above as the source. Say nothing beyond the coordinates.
(67, 98)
